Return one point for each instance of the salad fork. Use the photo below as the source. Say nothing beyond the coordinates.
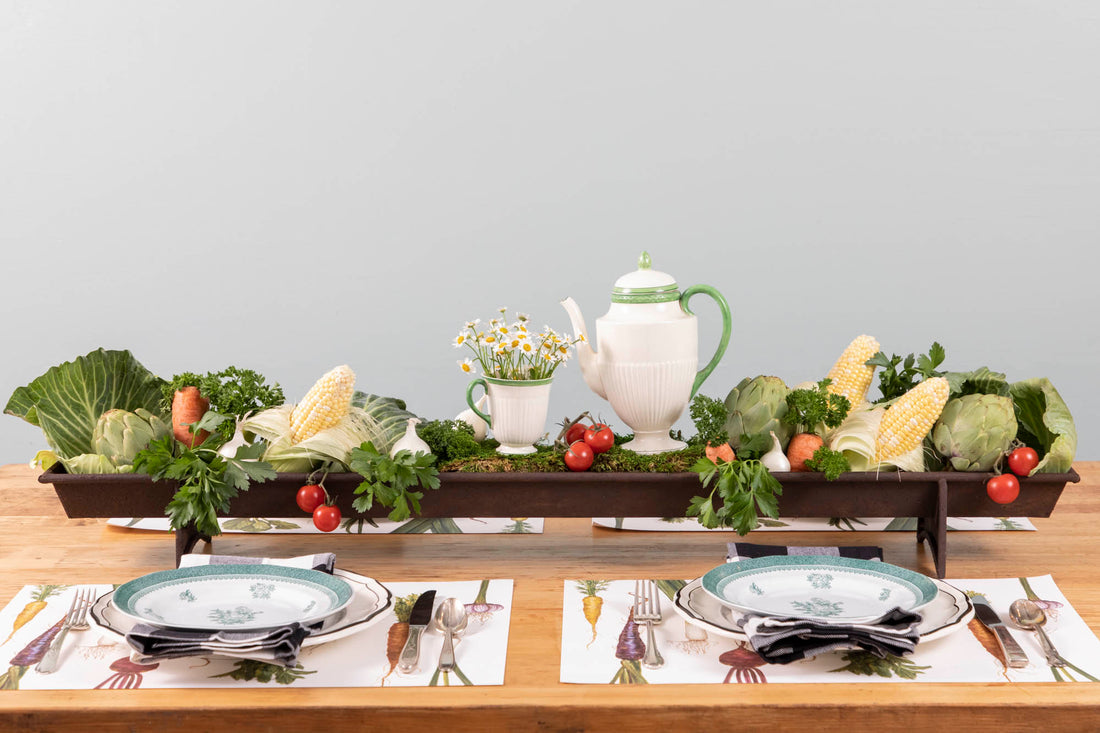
(76, 619)
(647, 609)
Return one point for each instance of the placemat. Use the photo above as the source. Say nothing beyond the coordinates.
(304, 525)
(847, 524)
(100, 659)
(595, 629)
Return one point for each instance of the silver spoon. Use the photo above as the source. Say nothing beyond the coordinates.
(451, 618)
(1027, 614)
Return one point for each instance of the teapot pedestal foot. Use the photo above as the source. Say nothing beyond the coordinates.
(516, 450)
(651, 443)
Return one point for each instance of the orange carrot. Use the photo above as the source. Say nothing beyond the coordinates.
(33, 608)
(592, 603)
(188, 407)
(724, 451)
(801, 449)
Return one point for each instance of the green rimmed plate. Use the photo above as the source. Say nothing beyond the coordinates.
(830, 589)
(223, 597)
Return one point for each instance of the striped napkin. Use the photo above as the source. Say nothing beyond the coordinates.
(781, 640)
(278, 645)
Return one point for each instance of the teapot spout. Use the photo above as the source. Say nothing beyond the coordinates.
(586, 355)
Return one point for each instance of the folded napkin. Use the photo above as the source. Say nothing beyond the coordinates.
(325, 561)
(785, 640)
(278, 645)
(746, 550)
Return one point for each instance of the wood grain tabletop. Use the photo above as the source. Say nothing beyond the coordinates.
(38, 543)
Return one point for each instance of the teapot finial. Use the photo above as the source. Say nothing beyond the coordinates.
(644, 262)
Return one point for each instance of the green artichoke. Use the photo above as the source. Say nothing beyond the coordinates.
(756, 406)
(120, 434)
(975, 430)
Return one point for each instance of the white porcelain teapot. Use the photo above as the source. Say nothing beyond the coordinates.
(648, 353)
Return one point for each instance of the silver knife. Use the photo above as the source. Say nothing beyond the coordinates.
(985, 613)
(419, 619)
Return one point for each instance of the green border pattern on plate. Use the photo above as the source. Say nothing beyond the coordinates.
(717, 578)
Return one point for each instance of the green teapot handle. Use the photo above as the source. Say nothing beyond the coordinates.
(727, 324)
(470, 399)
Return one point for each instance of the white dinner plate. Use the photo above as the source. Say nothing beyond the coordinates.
(948, 612)
(817, 587)
(369, 602)
(235, 597)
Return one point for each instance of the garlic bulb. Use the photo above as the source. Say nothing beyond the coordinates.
(471, 418)
(774, 460)
(410, 441)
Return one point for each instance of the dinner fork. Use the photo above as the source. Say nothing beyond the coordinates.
(76, 619)
(647, 609)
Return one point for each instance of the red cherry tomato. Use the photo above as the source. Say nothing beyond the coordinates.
(579, 457)
(1003, 489)
(1022, 460)
(310, 497)
(574, 434)
(600, 438)
(326, 517)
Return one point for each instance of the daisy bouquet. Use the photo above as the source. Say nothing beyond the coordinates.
(513, 351)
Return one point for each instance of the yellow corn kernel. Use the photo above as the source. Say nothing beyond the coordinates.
(908, 420)
(324, 406)
(851, 376)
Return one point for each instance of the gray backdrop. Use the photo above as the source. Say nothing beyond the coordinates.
(292, 186)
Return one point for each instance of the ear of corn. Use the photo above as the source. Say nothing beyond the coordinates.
(908, 420)
(851, 377)
(325, 405)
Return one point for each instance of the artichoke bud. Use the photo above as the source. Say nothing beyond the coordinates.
(120, 434)
(757, 405)
(974, 430)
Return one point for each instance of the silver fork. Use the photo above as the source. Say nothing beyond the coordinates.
(76, 620)
(647, 609)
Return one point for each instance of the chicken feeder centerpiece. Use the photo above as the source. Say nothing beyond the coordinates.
(648, 353)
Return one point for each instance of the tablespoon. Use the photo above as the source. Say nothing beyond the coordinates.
(451, 618)
(1027, 615)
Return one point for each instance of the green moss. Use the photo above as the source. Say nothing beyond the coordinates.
(548, 460)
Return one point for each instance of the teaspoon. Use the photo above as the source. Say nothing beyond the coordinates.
(1027, 614)
(451, 618)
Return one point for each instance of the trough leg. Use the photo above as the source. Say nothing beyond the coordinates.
(186, 539)
(933, 529)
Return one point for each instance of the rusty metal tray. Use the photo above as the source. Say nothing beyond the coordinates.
(930, 496)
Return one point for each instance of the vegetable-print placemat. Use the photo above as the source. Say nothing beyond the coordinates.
(100, 659)
(596, 636)
(847, 524)
(304, 525)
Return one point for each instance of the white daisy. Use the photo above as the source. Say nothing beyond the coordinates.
(466, 365)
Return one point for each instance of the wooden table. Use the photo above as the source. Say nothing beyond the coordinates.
(38, 544)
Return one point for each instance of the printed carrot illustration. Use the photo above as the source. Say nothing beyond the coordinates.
(399, 631)
(32, 609)
(30, 655)
(629, 650)
(592, 602)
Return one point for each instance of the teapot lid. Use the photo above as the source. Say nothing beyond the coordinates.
(645, 285)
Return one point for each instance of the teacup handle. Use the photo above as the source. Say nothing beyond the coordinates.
(470, 399)
(727, 324)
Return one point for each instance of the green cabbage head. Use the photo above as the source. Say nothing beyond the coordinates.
(975, 430)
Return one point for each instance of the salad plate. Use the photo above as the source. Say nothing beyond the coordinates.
(948, 612)
(822, 588)
(220, 597)
(369, 603)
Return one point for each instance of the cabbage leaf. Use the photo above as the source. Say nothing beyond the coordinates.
(1045, 424)
(68, 399)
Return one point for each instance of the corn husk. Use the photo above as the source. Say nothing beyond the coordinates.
(329, 445)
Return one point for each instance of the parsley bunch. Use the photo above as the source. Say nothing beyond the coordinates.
(894, 382)
(810, 409)
(208, 481)
(747, 489)
(233, 392)
(709, 416)
(448, 439)
(830, 462)
(388, 480)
